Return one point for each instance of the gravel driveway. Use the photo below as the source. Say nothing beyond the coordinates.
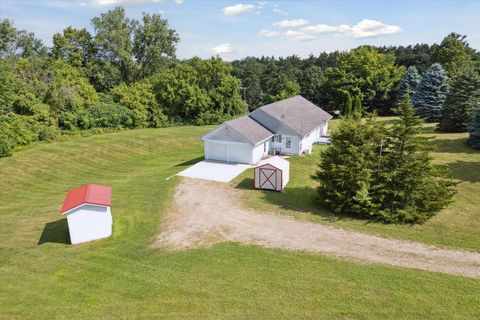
(207, 212)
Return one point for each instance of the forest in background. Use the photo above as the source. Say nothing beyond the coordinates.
(125, 74)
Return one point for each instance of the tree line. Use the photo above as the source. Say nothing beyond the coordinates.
(125, 74)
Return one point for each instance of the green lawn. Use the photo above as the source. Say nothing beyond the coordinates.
(124, 277)
(457, 226)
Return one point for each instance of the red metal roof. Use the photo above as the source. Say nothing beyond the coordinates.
(88, 193)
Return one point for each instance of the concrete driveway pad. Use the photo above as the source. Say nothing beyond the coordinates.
(214, 171)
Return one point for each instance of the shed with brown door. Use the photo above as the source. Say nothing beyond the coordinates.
(272, 174)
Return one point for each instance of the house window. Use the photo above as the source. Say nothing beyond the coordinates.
(288, 142)
(277, 138)
(273, 138)
(264, 147)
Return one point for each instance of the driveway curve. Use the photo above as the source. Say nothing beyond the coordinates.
(207, 212)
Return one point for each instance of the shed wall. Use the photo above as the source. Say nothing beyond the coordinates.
(88, 223)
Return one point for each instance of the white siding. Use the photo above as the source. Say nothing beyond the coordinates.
(88, 223)
(309, 140)
(281, 146)
(259, 151)
(324, 129)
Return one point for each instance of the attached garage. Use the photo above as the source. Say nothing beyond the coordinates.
(272, 174)
(242, 140)
(227, 151)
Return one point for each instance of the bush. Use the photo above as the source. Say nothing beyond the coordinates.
(67, 121)
(15, 131)
(111, 115)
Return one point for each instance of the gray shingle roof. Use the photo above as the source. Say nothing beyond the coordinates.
(250, 129)
(297, 113)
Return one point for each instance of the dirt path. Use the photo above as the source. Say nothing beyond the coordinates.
(208, 212)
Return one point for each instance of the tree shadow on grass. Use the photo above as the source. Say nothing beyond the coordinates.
(464, 170)
(190, 162)
(302, 200)
(55, 232)
(458, 145)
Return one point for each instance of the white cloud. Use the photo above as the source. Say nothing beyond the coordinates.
(368, 28)
(364, 29)
(298, 35)
(319, 28)
(237, 9)
(280, 12)
(268, 33)
(179, 1)
(223, 48)
(261, 3)
(294, 23)
(102, 3)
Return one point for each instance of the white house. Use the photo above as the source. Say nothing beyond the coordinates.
(88, 213)
(287, 127)
(272, 174)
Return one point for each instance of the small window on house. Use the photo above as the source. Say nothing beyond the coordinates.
(273, 138)
(288, 142)
(264, 147)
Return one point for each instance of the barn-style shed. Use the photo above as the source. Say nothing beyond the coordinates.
(272, 174)
(88, 213)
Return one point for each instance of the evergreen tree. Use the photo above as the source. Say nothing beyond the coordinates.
(462, 101)
(474, 130)
(409, 188)
(408, 84)
(357, 107)
(348, 106)
(431, 93)
(347, 167)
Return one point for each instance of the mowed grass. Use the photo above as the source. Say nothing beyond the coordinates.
(125, 277)
(457, 226)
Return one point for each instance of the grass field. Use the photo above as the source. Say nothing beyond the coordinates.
(124, 277)
(457, 226)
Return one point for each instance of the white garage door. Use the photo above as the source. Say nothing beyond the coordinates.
(227, 152)
(215, 151)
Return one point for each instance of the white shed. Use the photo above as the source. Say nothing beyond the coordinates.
(272, 174)
(88, 213)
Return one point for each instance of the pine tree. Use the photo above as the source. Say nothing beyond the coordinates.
(408, 84)
(409, 188)
(357, 107)
(346, 174)
(431, 93)
(386, 173)
(462, 101)
(474, 130)
(348, 106)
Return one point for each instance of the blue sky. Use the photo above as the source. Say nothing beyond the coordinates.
(235, 29)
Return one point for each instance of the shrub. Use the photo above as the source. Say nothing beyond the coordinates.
(111, 115)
